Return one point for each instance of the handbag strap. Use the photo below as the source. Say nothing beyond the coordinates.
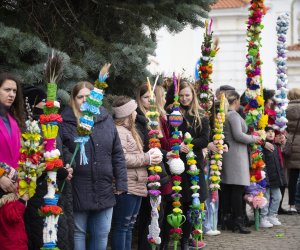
(295, 131)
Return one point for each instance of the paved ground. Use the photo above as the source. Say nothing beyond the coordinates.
(285, 237)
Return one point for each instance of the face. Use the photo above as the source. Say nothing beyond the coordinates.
(270, 135)
(145, 100)
(269, 103)
(81, 97)
(186, 96)
(8, 92)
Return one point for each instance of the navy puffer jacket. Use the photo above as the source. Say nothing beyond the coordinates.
(93, 183)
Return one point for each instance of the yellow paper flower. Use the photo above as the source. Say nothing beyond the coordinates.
(191, 162)
(214, 178)
(177, 188)
(190, 146)
(155, 168)
(260, 100)
(252, 179)
(214, 167)
(31, 136)
(217, 137)
(263, 121)
(177, 210)
(49, 131)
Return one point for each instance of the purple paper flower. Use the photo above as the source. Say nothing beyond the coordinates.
(154, 192)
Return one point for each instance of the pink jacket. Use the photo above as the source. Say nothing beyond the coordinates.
(10, 145)
(136, 162)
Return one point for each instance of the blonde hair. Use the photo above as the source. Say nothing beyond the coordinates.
(194, 109)
(78, 86)
(160, 99)
(294, 94)
(127, 121)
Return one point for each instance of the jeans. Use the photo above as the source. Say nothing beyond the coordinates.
(211, 216)
(297, 196)
(124, 217)
(98, 223)
(273, 195)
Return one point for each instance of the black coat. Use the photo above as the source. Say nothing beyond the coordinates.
(93, 183)
(200, 141)
(274, 171)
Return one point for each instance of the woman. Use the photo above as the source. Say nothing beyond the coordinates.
(197, 125)
(128, 204)
(293, 162)
(12, 227)
(143, 101)
(92, 184)
(235, 173)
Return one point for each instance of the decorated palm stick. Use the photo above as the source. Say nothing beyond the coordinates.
(281, 93)
(176, 219)
(30, 163)
(195, 214)
(255, 118)
(49, 123)
(153, 179)
(209, 51)
(90, 109)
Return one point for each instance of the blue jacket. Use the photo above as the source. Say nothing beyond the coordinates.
(93, 184)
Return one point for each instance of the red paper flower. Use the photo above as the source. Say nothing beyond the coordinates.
(176, 178)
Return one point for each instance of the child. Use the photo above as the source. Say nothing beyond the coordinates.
(12, 231)
(275, 179)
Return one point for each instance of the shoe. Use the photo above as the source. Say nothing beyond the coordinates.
(292, 211)
(274, 220)
(282, 211)
(227, 222)
(192, 244)
(238, 225)
(265, 223)
(212, 232)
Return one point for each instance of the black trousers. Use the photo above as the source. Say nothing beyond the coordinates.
(232, 200)
(292, 186)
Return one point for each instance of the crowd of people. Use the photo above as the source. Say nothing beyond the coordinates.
(104, 201)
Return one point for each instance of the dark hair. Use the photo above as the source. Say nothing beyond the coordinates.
(268, 94)
(17, 108)
(232, 95)
(142, 89)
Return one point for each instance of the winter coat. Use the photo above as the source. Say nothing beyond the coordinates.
(200, 141)
(10, 144)
(92, 184)
(236, 160)
(293, 114)
(12, 229)
(136, 162)
(274, 171)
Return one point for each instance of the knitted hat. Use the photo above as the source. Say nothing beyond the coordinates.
(35, 95)
(269, 128)
(125, 110)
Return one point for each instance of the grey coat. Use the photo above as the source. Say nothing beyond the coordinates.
(293, 114)
(236, 161)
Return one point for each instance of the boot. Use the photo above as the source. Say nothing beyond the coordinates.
(227, 222)
(238, 225)
(184, 244)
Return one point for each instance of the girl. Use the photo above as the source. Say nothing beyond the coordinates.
(12, 227)
(143, 101)
(92, 184)
(197, 125)
(128, 204)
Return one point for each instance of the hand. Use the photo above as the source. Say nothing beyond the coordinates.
(155, 159)
(25, 197)
(170, 155)
(7, 185)
(70, 173)
(269, 146)
(119, 192)
(204, 152)
(184, 148)
(258, 140)
(225, 148)
(212, 147)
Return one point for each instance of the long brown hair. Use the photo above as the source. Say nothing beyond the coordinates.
(143, 89)
(17, 108)
(127, 121)
(160, 99)
(194, 109)
(79, 86)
